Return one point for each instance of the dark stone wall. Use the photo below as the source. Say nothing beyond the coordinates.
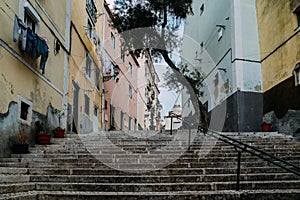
(282, 106)
(281, 98)
(244, 112)
(10, 127)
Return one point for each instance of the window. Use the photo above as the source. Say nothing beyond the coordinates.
(29, 22)
(88, 65)
(122, 120)
(112, 115)
(31, 17)
(296, 73)
(112, 40)
(89, 29)
(24, 110)
(122, 56)
(129, 123)
(91, 10)
(130, 92)
(86, 104)
(105, 104)
(201, 9)
(130, 68)
(96, 111)
(97, 78)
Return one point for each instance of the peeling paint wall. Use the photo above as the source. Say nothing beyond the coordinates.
(277, 23)
(279, 43)
(20, 75)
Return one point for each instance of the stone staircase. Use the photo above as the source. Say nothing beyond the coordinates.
(136, 165)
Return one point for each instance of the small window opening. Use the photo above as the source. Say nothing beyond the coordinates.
(24, 111)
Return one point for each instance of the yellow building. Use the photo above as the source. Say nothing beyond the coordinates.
(85, 84)
(34, 45)
(279, 35)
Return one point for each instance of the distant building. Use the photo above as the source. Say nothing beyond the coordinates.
(174, 118)
(120, 81)
(149, 108)
(85, 66)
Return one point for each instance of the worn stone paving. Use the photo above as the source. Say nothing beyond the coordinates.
(137, 165)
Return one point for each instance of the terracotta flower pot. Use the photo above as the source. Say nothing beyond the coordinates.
(266, 127)
(44, 139)
(59, 134)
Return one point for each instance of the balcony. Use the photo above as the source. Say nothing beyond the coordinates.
(91, 10)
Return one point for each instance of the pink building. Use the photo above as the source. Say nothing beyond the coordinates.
(120, 92)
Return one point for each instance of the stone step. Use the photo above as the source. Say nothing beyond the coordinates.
(160, 178)
(152, 170)
(182, 195)
(31, 195)
(165, 187)
(17, 187)
(15, 171)
(14, 178)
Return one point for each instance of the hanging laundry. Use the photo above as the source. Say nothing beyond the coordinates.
(24, 39)
(17, 28)
(31, 43)
(42, 50)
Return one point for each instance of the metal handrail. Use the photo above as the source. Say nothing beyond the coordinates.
(242, 147)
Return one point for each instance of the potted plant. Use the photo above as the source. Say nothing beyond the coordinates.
(42, 137)
(266, 127)
(58, 131)
(22, 146)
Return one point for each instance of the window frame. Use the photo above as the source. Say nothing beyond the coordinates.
(26, 9)
(89, 29)
(29, 111)
(130, 68)
(130, 93)
(88, 65)
(86, 104)
(112, 40)
(296, 74)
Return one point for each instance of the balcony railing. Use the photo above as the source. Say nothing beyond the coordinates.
(91, 10)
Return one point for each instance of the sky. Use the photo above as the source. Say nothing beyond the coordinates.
(167, 98)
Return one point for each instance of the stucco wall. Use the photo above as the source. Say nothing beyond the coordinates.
(277, 23)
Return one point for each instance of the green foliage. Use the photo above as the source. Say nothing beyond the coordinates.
(40, 126)
(187, 76)
(155, 18)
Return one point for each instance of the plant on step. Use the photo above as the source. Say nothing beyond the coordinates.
(42, 136)
(21, 147)
(58, 131)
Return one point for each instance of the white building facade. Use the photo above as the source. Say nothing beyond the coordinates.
(221, 40)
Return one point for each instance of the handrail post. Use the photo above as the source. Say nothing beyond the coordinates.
(171, 125)
(238, 172)
(189, 138)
